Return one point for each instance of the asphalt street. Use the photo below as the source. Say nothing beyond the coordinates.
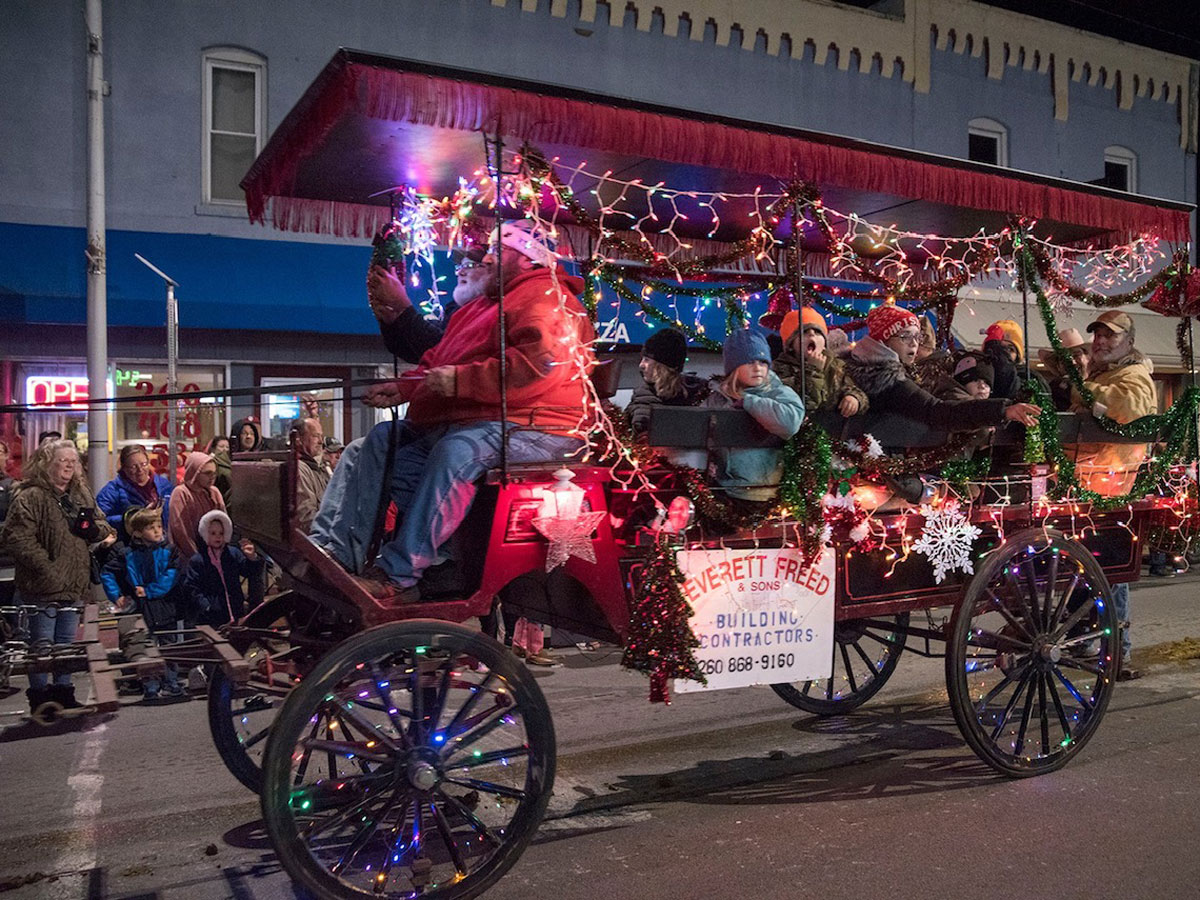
(729, 794)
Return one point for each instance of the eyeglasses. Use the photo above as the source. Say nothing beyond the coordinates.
(139, 467)
(911, 339)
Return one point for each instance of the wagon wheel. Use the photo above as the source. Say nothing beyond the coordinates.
(1030, 662)
(417, 758)
(865, 654)
(240, 715)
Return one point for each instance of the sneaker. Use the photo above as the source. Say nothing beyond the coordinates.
(152, 697)
(174, 695)
(197, 680)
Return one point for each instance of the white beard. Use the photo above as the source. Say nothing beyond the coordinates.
(1101, 360)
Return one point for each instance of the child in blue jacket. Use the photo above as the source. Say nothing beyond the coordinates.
(144, 577)
(213, 580)
(753, 473)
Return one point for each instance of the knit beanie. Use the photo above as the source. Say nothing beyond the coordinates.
(885, 321)
(973, 368)
(218, 515)
(743, 347)
(668, 347)
(1007, 330)
(789, 324)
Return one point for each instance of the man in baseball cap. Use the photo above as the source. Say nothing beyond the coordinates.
(1119, 379)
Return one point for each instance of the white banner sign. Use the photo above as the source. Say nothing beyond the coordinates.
(761, 617)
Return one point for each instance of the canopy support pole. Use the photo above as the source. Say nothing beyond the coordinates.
(497, 174)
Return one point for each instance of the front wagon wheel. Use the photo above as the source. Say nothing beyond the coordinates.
(416, 759)
(1030, 663)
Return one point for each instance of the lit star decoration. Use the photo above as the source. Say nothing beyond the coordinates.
(947, 539)
(568, 537)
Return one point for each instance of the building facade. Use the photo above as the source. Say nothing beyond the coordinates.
(198, 85)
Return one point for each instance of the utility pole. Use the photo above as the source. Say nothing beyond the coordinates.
(172, 370)
(97, 279)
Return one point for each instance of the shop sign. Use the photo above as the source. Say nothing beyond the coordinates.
(47, 390)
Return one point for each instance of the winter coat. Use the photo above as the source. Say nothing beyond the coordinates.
(949, 390)
(645, 400)
(877, 370)
(825, 382)
(928, 372)
(7, 486)
(52, 564)
(312, 478)
(224, 482)
(545, 390)
(121, 493)
(188, 504)
(1128, 393)
(410, 335)
(213, 596)
(153, 567)
(753, 473)
(235, 446)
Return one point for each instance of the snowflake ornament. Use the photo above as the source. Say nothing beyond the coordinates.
(947, 539)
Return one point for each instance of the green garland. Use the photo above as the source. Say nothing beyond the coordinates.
(653, 312)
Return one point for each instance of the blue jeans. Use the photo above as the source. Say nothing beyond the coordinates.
(1120, 596)
(152, 685)
(59, 628)
(432, 484)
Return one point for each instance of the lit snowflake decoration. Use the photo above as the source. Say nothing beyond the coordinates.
(947, 539)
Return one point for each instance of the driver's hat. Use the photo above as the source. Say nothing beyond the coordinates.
(528, 239)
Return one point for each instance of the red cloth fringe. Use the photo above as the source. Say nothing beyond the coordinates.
(346, 88)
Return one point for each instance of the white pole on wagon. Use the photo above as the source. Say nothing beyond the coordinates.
(97, 279)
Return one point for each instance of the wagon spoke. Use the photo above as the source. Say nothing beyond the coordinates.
(1012, 620)
(1074, 619)
(1062, 713)
(349, 749)
(1081, 665)
(488, 787)
(447, 834)
(302, 768)
(1086, 703)
(383, 690)
(1031, 588)
(443, 692)
(255, 738)
(993, 636)
(392, 856)
(1012, 702)
(1026, 710)
(483, 759)
(890, 643)
(347, 711)
(1051, 581)
(1063, 600)
(469, 704)
(1044, 713)
(870, 662)
(996, 691)
(1011, 581)
(418, 703)
(473, 820)
(498, 715)
(364, 835)
(849, 668)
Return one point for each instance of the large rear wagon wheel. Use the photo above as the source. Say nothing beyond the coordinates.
(290, 633)
(1031, 658)
(416, 759)
(865, 654)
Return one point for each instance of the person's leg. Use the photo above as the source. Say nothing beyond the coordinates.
(66, 627)
(447, 489)
(1121, 606)
(40, 628)
(345, 523)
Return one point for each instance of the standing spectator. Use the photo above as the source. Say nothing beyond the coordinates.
(1056, 373)
(245, 437)
(7, 483)
(218, 449)
(135, 485)
(752, 474)
(145, 576)
(212, 584)
(49, 436)
(1120, 382)
(664, 382)
(312, 474)
(49, 532)
(333, 451)
(191, 500)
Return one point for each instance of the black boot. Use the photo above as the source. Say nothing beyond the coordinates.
(37, 696)
(64, 695)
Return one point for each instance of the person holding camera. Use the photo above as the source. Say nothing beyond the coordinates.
(50, 531)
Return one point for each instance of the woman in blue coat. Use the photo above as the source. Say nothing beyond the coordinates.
(135, 485)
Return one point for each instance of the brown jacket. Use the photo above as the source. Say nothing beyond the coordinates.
(1127, 391)
(312, 478)
(52, 564)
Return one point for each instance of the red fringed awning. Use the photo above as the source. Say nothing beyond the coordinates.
(368, 123)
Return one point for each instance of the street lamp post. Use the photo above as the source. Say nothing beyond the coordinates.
(97, 283)
(172, 363)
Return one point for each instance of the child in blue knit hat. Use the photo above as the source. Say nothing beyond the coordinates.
(753, 473)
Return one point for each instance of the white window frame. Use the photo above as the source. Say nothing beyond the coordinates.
(241, 60)
(1125, 157)
(985, 127)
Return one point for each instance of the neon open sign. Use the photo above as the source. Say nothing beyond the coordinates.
(45, 390)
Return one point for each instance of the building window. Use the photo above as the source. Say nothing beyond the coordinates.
(1120, 169)
(234, 120)
(987, 142)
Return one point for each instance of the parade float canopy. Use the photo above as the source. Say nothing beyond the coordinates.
(369, 123)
